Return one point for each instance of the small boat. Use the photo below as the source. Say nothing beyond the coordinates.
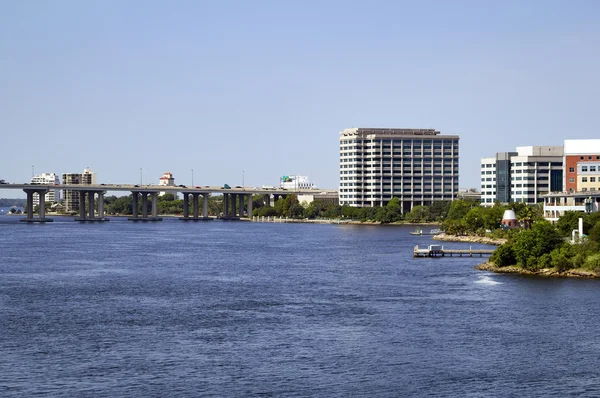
(417, 231)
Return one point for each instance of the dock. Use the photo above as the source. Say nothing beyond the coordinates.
(439, 251)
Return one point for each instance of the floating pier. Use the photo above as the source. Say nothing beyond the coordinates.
(439, 251)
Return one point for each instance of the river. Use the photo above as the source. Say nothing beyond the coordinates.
(239, 309)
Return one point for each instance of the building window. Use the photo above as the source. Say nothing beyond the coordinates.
(571, 180)
(584, 189)
(592, 179)
(584, 179)
(571, 169)
(584, 168)
(592, 168)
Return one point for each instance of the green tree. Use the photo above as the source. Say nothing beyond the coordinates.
(418, 214)
(540, 239)
(504, 255)
(459, 209)
(570, 221)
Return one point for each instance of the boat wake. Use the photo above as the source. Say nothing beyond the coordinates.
(486, 280)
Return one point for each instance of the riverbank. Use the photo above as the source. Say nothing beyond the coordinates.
(470, 239)
(572, 273)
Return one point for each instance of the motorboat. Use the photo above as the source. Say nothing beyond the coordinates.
(419, 232)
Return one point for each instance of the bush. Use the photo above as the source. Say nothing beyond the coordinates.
(545, 261)
(562, 258)
(504, 255)
(592, 262)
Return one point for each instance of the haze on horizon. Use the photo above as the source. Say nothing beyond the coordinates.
(262, 89)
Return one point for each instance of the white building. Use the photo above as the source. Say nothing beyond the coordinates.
(53, 195)
(522, 176)
(417, 166)
(167, 180)
(296, 182)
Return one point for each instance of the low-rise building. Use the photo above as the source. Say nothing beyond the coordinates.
(53, 195)
(292, 182)
(167, 180)
(522, 176)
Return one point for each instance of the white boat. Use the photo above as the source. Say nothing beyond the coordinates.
(419, 232)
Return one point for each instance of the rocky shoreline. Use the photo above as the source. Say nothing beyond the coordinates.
(572, 273)
(470, 239)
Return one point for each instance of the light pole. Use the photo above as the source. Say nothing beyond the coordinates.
(192, 177)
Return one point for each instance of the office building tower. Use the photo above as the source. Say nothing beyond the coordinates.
(417, 166)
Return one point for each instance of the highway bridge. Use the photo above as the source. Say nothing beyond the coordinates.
(236, 200)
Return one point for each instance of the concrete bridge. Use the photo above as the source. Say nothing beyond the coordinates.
(236, 200)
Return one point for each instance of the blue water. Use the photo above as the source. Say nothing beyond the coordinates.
(238, 309)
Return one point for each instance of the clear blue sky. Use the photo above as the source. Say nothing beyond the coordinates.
(264, 87)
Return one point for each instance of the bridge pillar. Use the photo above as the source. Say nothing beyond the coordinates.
(242, 197)
(186, 205)
(144, 215)
(249, 205)
(154, 204)
(82, 205)
(91, 204)
(233, 205)
(205, 208)
(134, 205)
(225, 205)
(144, 205)
(42, 209)
(101, 205)
(195, 208)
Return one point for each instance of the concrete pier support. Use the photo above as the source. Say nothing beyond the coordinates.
(82, 205)
(144, 205)
(91, 205)
(134, 205)
(249, 197)
(233, 205)
(195, 216)
(144, 216)
(41, 218)
(186, 206)
(241, 197)
(225, 205)
(154, 204)
(205, 207)
(91, 216)
(195, 208)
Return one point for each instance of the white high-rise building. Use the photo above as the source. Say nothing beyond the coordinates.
(417, 166)
(522, 176)
(53, 195)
